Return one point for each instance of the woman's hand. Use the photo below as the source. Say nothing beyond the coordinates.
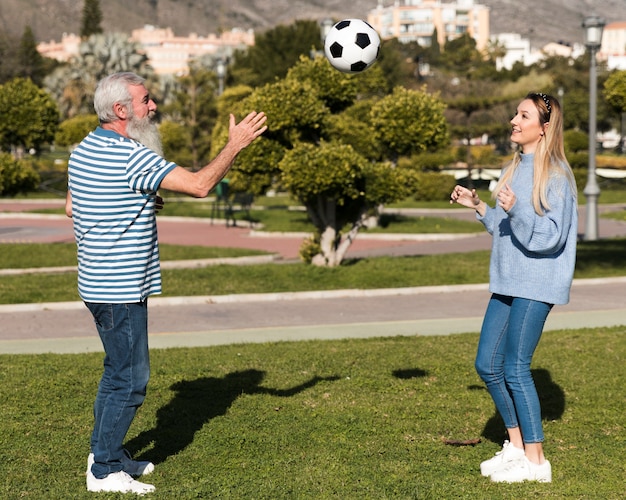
(506, 198)
(468, 198)
(465, 197)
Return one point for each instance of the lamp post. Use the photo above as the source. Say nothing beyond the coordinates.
(220, 68)
(593, 26)
(325, 27)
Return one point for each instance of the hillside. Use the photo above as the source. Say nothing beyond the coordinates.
(540, 20)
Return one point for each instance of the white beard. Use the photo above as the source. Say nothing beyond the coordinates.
(145, 131)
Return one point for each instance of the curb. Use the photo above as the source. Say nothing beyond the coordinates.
(167, 264)
(374, 236)
(305, 295)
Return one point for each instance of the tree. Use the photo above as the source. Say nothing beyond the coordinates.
(31, 62)
(572, 76)
(91, 19)
(73, 85)
(274, 52)
(176, 141)
(466, 131)
(8, 57)
(340, 190)
(314, 149)
(16, 176)
(460, 55)
(74, 130)
(395, 62)
(615, 91)
(615, 95)
(434, 52)
(19, 57)
(194, 107)
(34, 116)
(396, 129)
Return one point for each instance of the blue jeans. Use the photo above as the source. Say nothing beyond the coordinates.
(123, 329)
(509, 336)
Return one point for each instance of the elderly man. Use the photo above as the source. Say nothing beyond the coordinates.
(113, 178)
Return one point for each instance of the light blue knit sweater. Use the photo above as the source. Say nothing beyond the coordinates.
(533, 256)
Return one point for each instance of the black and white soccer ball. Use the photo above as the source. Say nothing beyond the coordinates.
(352, 45)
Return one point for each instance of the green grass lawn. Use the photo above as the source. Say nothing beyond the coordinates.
(349, 419)
(603, 258)
(346, 419)
(21, 256)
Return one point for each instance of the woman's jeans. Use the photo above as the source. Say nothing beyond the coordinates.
(510, 333)
(123, 329)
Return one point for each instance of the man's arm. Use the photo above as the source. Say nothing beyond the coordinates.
(199, 184)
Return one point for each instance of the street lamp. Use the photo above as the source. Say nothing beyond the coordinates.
(593, 26)
(221, 75)
(325, 27)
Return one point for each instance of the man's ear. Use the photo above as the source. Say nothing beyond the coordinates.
(120, 111)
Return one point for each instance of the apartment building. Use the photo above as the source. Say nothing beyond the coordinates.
(416, 20)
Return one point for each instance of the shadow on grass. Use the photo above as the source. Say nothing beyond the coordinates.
(551, 399)
(198, 401)
(607, 253)
(409, 373)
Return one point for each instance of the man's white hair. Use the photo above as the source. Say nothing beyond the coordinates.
(113, 89)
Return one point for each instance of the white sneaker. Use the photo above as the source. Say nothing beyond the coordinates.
(507, 454)
(523, 470)
(135, 468)
(118, 482)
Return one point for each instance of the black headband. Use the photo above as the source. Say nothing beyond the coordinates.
(545, 100)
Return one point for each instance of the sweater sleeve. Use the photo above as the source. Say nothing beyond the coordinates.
(544, 234)
(488, 220)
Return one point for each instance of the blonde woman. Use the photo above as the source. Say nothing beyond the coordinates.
(534, 228)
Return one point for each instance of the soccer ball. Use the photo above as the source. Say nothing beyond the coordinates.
(352, 45)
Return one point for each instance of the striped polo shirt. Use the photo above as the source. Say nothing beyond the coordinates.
(113, 181)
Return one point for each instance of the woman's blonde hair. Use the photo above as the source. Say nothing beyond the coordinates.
(549, 156)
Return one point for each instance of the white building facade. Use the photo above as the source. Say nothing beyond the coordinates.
(613, 49)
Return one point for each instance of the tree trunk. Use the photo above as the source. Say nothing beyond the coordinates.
(328, 254)
(333, 247)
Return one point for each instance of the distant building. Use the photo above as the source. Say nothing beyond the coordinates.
(170, 54)
(560, 49)
(518, 49)
(167, 53)
(416, 20)
(61, 51)
(613, 49)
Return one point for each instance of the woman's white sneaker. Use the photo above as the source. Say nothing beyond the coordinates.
(523, 470)
(508, 453)
(118, 482)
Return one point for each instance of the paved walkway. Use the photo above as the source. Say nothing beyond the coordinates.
(19, 226)
(199, 321)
